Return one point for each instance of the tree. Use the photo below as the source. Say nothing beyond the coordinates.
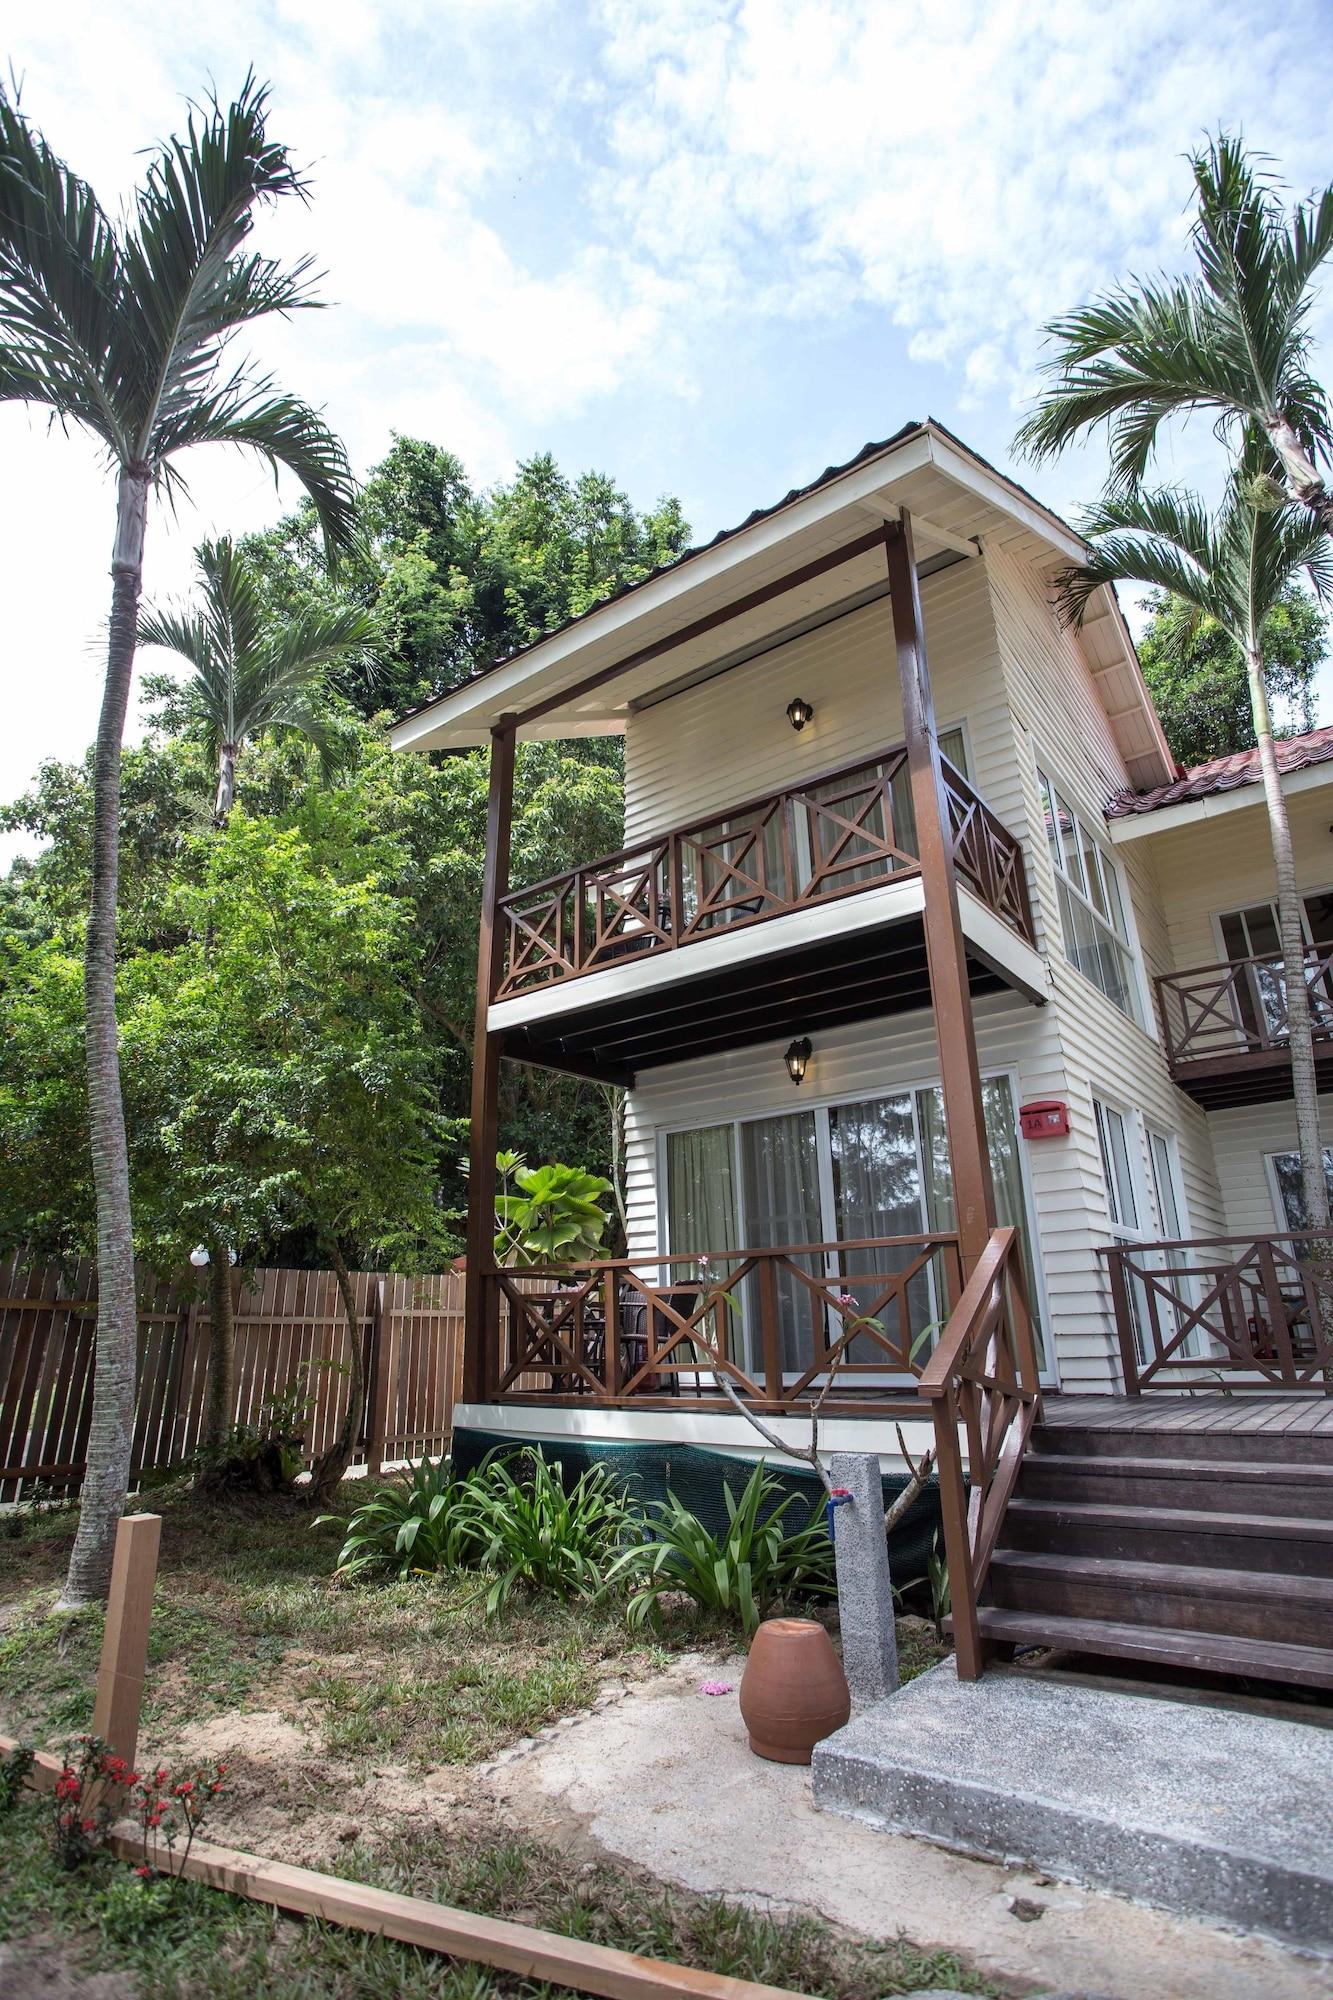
(251, 672)
(126, 332)
(1231, 340)
(1234, 569)
(1197, 676)
(458, 578)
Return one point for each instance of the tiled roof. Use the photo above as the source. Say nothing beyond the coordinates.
(1226, 774)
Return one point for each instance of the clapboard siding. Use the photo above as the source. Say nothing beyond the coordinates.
(729, 739)
(1241, 1137)
(1225, 863)
(1058, 715)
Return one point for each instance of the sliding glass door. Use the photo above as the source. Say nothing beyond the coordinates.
(838, 1174)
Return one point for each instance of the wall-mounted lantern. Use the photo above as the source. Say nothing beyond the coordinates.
(799, 712)
(797, 1057)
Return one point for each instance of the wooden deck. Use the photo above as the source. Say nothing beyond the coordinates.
(1238, 1413)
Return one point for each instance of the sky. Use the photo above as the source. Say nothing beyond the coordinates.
(707, 246)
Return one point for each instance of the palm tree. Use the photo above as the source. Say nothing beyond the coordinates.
(251, 672)
(1231, 339)
(126, 331)
(1232, 567)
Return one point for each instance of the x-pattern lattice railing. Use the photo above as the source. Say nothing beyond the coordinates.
(1257, 1307)
(831, 836)
(1240, 1009)
(774, 1321)
(982, 1385)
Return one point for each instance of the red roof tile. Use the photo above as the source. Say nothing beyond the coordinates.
(1225, 774)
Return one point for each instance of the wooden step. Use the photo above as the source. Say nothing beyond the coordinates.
(1253, 1486)
(1286, 1446)
(1249, 1604)
(1194, 1652)
(1145, 1533)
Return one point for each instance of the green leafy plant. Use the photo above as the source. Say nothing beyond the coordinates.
(548, 1214)
(743, 1573)
(265, 1455)
(15, 1770)
(411, 1526)
(937, 1576)
(530, 1531)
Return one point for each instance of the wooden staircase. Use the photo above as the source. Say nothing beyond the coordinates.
(1204, 1548)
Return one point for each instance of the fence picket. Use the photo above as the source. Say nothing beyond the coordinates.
(283, 1318)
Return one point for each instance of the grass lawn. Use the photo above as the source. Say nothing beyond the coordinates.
(357, 1715)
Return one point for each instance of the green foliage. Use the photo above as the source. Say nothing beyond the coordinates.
(265, 1455)
(15, 1769)
(554, 1218)
(457, 579)
(528, 1531)
(741, 1574)
(1196, 673)
(407, 1526)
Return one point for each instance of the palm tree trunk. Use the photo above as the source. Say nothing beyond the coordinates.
(221, 1349)
(1303, 481)
(1304, 1084)
(110, 1436)
(226, 791)
(326, 1474)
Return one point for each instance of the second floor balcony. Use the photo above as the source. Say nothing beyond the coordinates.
(1227, 1029)
(773, 915)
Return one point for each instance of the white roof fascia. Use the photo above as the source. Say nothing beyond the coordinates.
(1137, 826)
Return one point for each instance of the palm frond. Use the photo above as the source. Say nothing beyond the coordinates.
(60, 286)
(1164, 540)
(284, 430)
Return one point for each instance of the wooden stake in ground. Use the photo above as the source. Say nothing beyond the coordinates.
(120, 1677)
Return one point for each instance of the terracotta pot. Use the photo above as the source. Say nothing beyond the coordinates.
(793, 1691)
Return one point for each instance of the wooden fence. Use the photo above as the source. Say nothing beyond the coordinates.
(411, 1334)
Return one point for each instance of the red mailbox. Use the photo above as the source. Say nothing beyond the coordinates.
(1044, 1118)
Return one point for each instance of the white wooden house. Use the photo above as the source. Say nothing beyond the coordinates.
(945, 1005)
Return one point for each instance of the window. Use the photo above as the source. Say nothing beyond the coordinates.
(1290, 1202)
(835, 1174)
(1092, 906)
(1122, 1194)
(1260, 994)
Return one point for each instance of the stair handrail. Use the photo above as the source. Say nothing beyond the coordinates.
(982, 1377)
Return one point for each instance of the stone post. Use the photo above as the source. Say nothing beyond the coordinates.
(865, 1595)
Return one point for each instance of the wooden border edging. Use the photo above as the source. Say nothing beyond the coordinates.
(129, 1611)
(533, 1954)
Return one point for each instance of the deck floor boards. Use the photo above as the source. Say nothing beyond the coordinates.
(1310, 1414)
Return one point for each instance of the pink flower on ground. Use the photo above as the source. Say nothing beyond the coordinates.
(715, 1687)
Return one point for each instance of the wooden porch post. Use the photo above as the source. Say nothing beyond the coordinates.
(946, 960)
(478, 1304)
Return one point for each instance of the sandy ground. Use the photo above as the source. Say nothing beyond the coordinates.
(663, 1778)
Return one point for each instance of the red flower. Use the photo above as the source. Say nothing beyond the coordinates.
(184, 1789)
(145, 1872)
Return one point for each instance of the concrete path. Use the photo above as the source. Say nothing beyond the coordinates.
(663, 1778)
(1208, 1811)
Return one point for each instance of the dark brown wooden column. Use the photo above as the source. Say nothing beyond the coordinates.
(478, 1300)
(946, 959)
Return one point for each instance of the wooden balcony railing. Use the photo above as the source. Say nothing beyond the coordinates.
(1225, 1307)
(982, 1381)
(833, 835)
(1215, 1012)
(646, 1332)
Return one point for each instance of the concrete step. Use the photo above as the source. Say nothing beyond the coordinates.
(1249, 1604)
(1254, 1486)
(1194, 1652)
(1148, 1533)
(1214, 1813)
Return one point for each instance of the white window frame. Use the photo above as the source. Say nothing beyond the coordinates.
(897, 1087)
(1281, 1226)
(1142, 1016)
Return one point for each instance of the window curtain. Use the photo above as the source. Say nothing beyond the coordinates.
(702, 1214)
(877, 1192)
(780, 1158)
(997, 1103)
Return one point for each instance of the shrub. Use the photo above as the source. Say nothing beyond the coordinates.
(411, 1526)
(266, 1455)
(757, 1563)
(524, 1525)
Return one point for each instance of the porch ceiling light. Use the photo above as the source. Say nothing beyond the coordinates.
(799, 712)
(796, 1058)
